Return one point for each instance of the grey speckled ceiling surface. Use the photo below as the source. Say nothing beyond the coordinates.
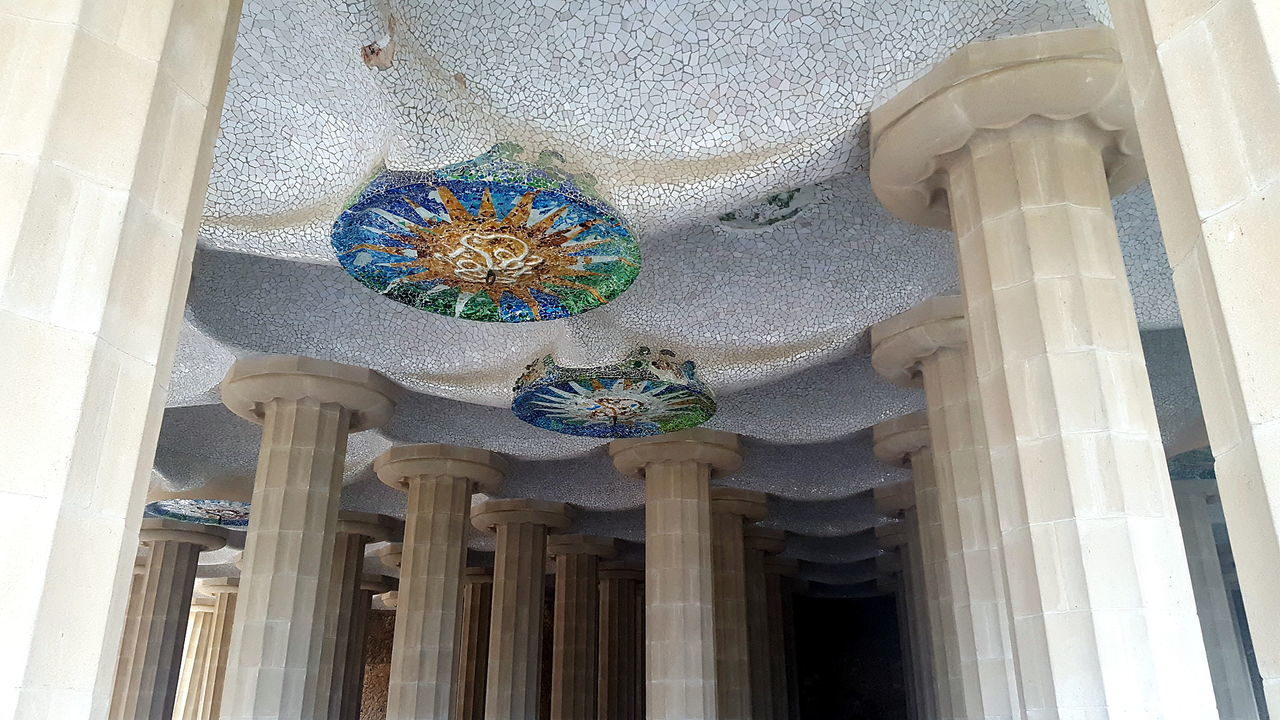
(732, 136)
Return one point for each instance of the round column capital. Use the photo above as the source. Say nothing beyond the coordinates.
(1068, 75)
(376, 584)
(390, 599)
(216, 586)
(892, 535)
(901, 343)
(477, 575)
(376, 527)
(601, 547)
(620, 570)
(554, 515)
(766, 540)
(391, 554)
(161, 530)
(898, 439)
(484, 469)
(894, 497)
(254, 381)
(720, 450)
(747, 504)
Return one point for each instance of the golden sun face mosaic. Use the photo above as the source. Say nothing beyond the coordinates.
(492, 239)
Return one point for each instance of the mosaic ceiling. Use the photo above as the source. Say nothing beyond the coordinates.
(731, 136)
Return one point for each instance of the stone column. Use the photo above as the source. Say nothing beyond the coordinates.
(1227, 665)
(168, 584)
(278, 668)
(107, 141)
(225, 592)
(195, 649)
(1205, 81)
(759, 544)
(575, 624)
(898, 500)
(621, 642)
(929, 345)
(519, 584)
(439, 480)
(1103, 613)
(679, 581)
(904, 442)
(343, 599)
(779, 587)
(730, 509)
(129, 640)
(353, 682)
(473, 644)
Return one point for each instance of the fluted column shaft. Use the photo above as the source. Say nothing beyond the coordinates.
(473, 645)
(225, 595)
(345, 598)
(944, 637)
(729, 510)
(277, 666)
(515, 630)
(1094, 551)
(165, 603)
(915, 588)
(575, 625)
(1227, 665)
(781, 651)
(186, 705)
(128, 642)
(621, 644)
(759, 544)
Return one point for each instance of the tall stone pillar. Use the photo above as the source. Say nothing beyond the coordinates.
(759, 545)
(1103, 614)
(730, 509)
(575, 625)
(779, 576)
(353, 682)
(107, 140)
(195, 649)
(473, 644)
(278, 668)
(343, 598)
(621, 642)
(898, 499)
(519, 585)
(1205, 82)
(225, 592)
(904, 442)
(929, 345)
(679, 581)
(129, 639)
(1227, 665)
(439, 480)
(168, 584)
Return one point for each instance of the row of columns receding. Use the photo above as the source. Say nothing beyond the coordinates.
(1015, 145)
(707, 639)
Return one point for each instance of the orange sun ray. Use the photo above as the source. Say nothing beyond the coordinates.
(527, 297)
(486, 206)
(458, 213)
(390, 250)
(543, 225)
(519, 214)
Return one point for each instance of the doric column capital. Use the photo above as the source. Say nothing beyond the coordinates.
(484, 469)
(376, 584)
(898, 439)
(161, 530)
(621, 570)
(390, 599)
(552, 515)
(371, 525)
(901, 343)
(718, 450)
(473, 575)
(391, 554)
(1204, 488)
(254, 381)
(1065, 75)
(892, 535)
(217, 586)
(750, 505)
(767, 540)
(894, 497)
(601, 547)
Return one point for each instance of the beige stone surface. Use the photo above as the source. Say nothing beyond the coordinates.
(1091, 543)
(680, 665)
(519, 577)
(575, 625)
(346, 602)
(281, 665)
(89, 342)
(473, 644)
(621, 666)
(1205, 80)
(186, 704)
(759, 544)
(779, 589)
(439, 480)
(128, 641)
(730, 509)
(225, 592)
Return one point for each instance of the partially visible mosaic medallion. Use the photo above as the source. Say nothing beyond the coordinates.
(226, 513)
(646, 394)
(492, 239)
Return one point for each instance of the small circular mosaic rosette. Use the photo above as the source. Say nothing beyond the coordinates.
(223, 513)
(646, 394)
(493, 239)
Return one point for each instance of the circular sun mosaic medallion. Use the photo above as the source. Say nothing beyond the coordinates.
(646, 394)
(226, 513)
(492, 239)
